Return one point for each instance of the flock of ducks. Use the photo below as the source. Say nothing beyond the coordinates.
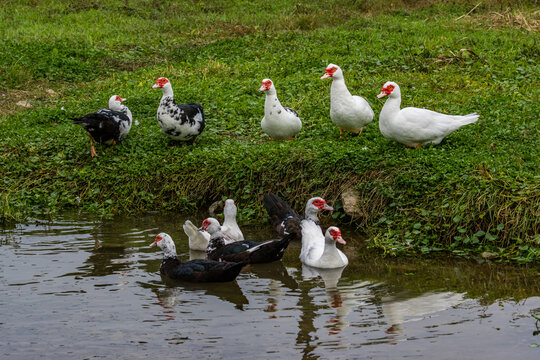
(227, 252)
(411, 126)
(226, 249)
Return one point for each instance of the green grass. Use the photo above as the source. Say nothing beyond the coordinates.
(477, 191)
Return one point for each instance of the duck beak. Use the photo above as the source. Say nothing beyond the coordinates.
(262, 88)
(381, 95)
(155, 86)
(152, 244)
(328, 207)
(325, 76)
(340, 240)
(122, 100)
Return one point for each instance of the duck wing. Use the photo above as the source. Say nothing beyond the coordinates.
(202, 270)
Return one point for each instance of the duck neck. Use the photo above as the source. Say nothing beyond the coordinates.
(391, 106)
(167, 93)
(169, 251)
(312, 214)
(338, 88)
(216, 242)
(271, 102)
(329, 247)
(230, 218)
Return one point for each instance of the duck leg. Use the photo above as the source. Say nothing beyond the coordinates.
(112, 145)
(340, 133)
(93, 152)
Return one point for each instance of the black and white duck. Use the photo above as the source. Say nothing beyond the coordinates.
(107, 126)
(180, 122)
(249, 251)
(199, 270)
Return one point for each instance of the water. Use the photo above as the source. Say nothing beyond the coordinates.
(77, 288)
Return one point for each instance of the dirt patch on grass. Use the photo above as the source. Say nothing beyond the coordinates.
(15, 100)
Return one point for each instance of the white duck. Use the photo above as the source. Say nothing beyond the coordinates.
(230, 228)
(320, 251)
(279, 122)
(181, 122)
(415, 127)
(197, 239)
(349, 112)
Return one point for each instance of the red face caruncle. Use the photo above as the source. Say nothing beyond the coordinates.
(319, 203)
(266, 85)
(161, 82)
(335, 233)
(205, 224)
(330, 71)
(388, 89)
(158, 239)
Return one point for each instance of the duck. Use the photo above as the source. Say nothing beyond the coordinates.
(252, 252)
(287, 221)
(230, 228)
(199, 270)
(107, 126)
(415, 127)
(320, 251)
(197, 239)
(180, 122)
(279, 122)
(349, 112)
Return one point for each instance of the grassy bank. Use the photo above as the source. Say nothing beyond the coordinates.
(476, 192)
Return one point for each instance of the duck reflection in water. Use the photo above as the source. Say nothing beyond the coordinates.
(170, 296)
(401, 309)
(280, 282)
(335, 297)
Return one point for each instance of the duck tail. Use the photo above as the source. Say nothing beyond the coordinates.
(469, 118)
(234, 269)
(276, 207)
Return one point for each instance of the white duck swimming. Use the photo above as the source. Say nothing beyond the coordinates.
(279, 122)
(197, 239)
(415, 127)
(320, 251)
(349, 112)
(230, 228)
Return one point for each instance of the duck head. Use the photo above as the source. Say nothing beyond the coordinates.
(229, 211)
(267, 86)
(165, 243)
(211, 225)
(333, 235)
(314, 205)
(165, 85)
(115, 103)
(332, 71)
(390, 89)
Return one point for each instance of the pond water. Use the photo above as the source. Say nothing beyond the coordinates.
(78, 288)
